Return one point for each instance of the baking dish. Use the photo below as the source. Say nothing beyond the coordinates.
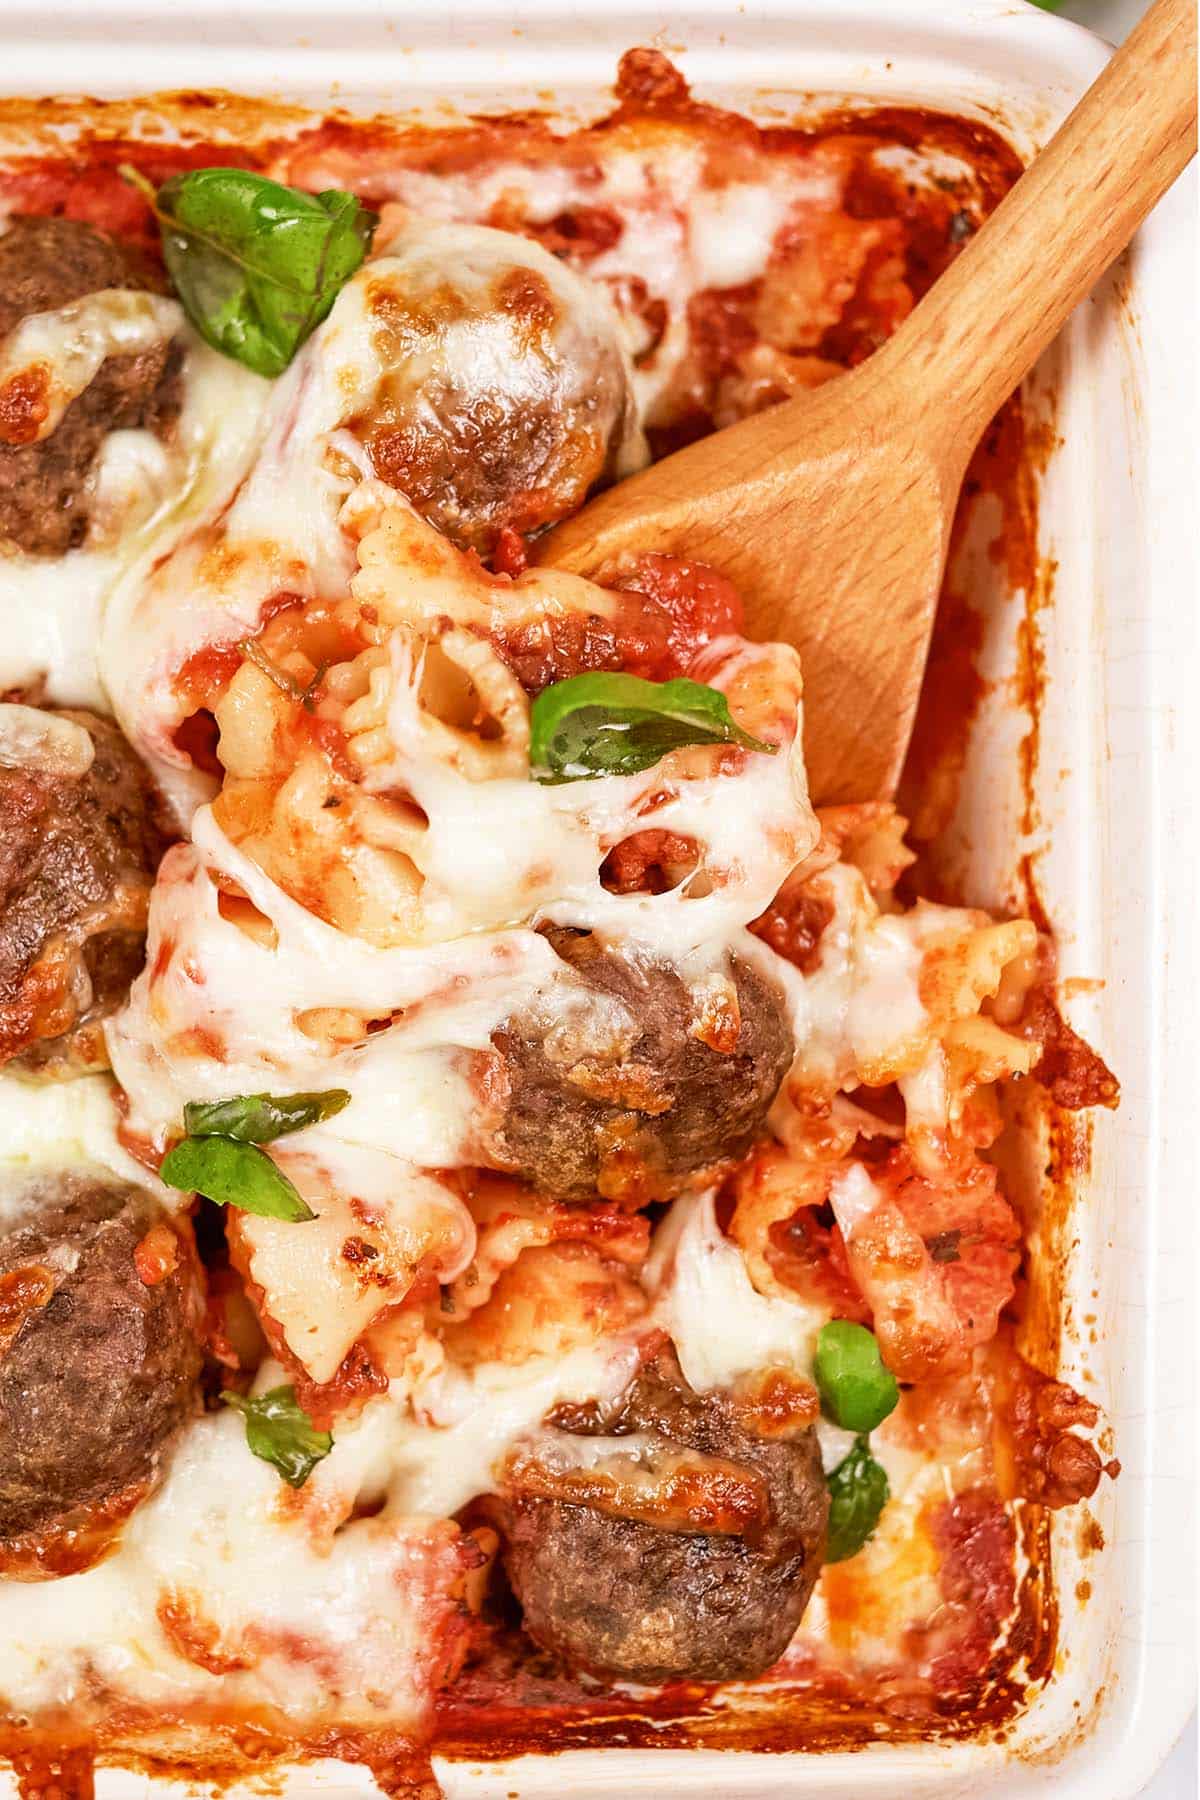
(1122, 1681)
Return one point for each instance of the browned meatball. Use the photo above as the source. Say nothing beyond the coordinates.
(634, 1093)
(45, 264)
(506, 394)
(615, 1591)
(99, 1360)
(78, 854)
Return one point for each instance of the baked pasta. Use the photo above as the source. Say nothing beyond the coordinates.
(503, 1187)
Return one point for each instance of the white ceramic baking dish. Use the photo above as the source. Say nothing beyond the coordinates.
(1115, 851)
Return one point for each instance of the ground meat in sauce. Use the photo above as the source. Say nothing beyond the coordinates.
(665, 611)
(99, 1360)
(620, 1096)
(77, 861)
(1039, 1447)
(621, 1598)
(45, 264)
(976, 1542)
(634, 640)
(793, 925)
(1069, 1069)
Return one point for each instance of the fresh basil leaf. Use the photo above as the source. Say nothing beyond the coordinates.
(261, 1118)
(858, 1493)
(280, 1432)
(856, 1390)
(602, 724)
(233, 1174)
(256, 265)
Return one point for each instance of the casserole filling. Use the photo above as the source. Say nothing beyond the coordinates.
(499, 1179)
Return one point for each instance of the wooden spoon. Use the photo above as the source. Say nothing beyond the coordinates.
(832, 512)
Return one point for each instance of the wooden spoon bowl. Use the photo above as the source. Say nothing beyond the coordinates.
(832, 512)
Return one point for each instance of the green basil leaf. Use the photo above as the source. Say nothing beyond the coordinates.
(280, 1432)
(856, 1390)
(233, 1174)
(603, 724)
(261, 1118)
(858, 1493)
(256, 265)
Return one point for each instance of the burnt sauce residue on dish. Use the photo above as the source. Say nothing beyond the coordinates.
(749, 344)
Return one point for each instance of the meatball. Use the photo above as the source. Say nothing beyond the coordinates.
(506, 395)
(99, 1362)
(46, 264)
(630, 1094)
(623, 1597)
(80, 841)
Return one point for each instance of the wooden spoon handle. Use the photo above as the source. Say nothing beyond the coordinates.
(1053, 235)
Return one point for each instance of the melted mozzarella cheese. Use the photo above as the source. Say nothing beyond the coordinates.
(864, 1609)
(31, 738)
(52, 611)
(450, 1446)
(49, 1124)
(671, 238)
(278, 528)
(222, 1012)
(218, 1012)
(273, 529)
(858, 1014)
(721, 1326)
(680, 234)
(289, 1598)
(144, 492)
(863, 1612)
(835, 1443)
(732, 230)
(510, 848)
(65, 348)
(64, 626)
(473, 351)
(494, 846)
(751, 827)
(221, 1586)
(853, 1197)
